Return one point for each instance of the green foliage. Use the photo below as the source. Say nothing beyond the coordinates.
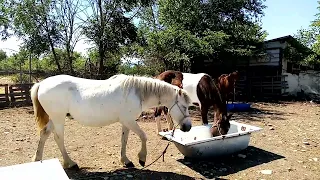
(172, 34)
(4, 18)
(16, 78)
(3, 55)
(310, 38)
(181, 31)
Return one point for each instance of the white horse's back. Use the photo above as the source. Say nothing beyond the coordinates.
(86, 100)
(190, 82)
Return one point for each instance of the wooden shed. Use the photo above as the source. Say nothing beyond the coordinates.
(260, 78)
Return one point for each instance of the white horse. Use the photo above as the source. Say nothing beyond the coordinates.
(120, 98)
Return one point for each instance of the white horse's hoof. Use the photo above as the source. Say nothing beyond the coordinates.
(129, 165)
(142, 163)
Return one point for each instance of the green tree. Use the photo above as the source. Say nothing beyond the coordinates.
(67, 12)
(36, 24)
(309, 37)
(109, 26)
(183, 31)
(3, 55)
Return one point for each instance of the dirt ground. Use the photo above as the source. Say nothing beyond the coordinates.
(289, 145)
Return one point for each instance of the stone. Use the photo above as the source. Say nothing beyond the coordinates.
(271, 128)
(306, 142)
(266, 171)
(315, 159)
(129, 176)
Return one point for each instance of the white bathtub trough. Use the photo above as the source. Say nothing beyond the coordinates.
(198, 142)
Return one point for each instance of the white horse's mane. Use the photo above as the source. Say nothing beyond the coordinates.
(148, 86)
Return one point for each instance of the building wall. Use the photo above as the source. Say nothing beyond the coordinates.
(272, 59)
(309, 82)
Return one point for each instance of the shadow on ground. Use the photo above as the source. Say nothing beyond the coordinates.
(215, 168)
(255, 114)
(133, 173)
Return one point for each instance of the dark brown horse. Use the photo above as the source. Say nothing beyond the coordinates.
(204, 93)
(174, 78)
(226, 84)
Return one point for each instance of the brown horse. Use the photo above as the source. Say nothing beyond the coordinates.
(174, 78)
(205, 93)
(226, 84)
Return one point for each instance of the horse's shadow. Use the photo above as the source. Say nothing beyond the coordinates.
(255, 114)
(223, 166)
(124, 173)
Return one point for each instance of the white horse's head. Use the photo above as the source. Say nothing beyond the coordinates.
(179, 110)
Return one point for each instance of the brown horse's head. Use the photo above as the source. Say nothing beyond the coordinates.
(221, 124)
(172, 77)
(226, 82)
(233, 77)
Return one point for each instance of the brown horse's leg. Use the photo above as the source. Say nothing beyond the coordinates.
(204, 113)
(168, 118)
(157, 116)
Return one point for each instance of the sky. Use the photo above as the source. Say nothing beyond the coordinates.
(282, 17)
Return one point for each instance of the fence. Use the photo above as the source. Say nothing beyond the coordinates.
(15, 95)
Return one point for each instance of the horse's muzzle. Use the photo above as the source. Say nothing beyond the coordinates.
(185, 127)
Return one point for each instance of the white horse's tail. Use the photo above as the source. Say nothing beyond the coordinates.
(42, 118)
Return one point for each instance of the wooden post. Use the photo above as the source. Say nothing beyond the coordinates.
(7, 93)
(11, 92)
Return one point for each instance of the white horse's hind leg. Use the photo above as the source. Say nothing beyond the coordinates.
(133, 126)
(124, 139)
(44, 134)
(59, 138)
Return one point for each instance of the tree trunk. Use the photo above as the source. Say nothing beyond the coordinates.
(101, 66)
(70, 60)
(181, 65)
(101, 46)
(52, 45)
(55, 56)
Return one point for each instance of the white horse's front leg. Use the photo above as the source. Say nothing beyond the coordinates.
(133, 126)
(124, 139)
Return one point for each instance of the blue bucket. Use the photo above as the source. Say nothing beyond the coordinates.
(238, 107)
